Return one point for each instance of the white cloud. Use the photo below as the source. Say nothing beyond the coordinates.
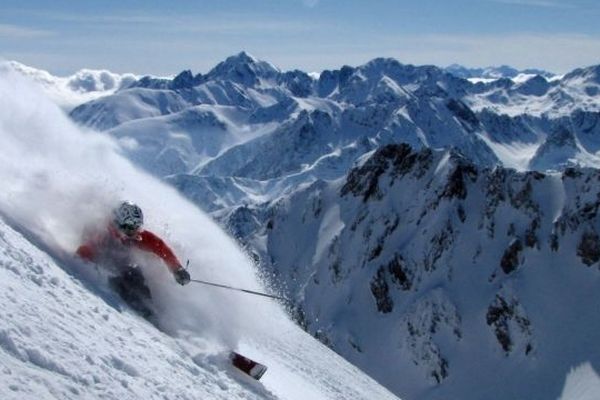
(536, 3)
(310, 3)
(15, 31)
(558, 53)
(555, 52)
(219, 23)
(245, 26)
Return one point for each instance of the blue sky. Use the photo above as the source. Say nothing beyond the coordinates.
(165, 37)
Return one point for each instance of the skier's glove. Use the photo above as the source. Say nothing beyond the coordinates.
(182, 276)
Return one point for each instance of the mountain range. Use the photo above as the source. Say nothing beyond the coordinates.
(494, 73)
(424, 222)
(441, 278)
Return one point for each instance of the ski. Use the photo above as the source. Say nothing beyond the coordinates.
(250, 367)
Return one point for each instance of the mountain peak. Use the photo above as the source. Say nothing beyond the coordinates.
(536, 86)
(243, 68)
(242, 58)
(494, 72)
(185, 79)
(558, 151)
(589, 74)
(384, 61)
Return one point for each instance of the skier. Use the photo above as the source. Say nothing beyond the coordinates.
(112, 247)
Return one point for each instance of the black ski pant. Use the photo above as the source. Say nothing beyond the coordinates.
(131, 286)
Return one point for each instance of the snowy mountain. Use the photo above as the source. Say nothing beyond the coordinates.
(64, 334)
(423, 224)
(246, 131)
(443, 279)
(71, 91)
(494, 73)
(537, 96)
(217, 123)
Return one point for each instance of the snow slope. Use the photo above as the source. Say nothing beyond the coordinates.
(582, 383)
(63, 337)
(64, 334)
(468, 283)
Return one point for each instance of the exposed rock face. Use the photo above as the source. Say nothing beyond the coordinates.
(510, 260)
(510, 324)
(457, 186)
(185, 80)
(424, 320)
(426, 249)
(399, 273)
(394, 159)
(589, 248)
(462, 111)
(381, 290)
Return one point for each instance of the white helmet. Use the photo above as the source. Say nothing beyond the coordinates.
(128, 217)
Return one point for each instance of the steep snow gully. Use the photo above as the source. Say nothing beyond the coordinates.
(64, 334)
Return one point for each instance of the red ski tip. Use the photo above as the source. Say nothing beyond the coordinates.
(250, 367)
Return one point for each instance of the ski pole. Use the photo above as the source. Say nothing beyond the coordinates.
(239, 289)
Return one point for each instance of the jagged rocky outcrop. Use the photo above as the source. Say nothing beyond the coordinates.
(510, 259)
(588, 248)
(510, 324)
(381, 292)
(396, 159)
(433, 315)
(430, 250)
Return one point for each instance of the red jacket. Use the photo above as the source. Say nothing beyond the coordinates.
(144, 240)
